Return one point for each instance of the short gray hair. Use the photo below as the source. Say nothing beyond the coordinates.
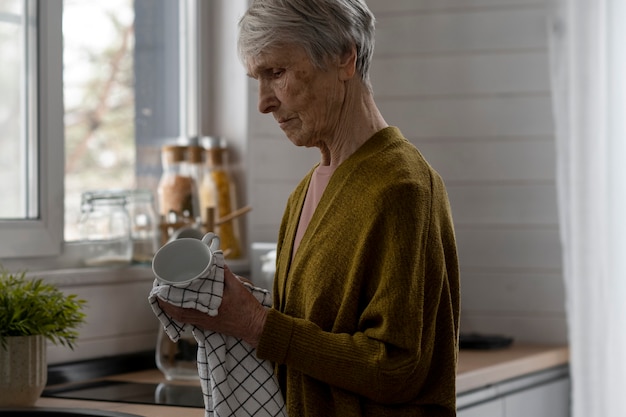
(324, 28)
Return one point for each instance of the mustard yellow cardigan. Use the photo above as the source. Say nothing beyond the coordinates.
(366, 317)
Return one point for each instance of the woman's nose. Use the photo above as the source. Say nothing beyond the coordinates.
(268, 102)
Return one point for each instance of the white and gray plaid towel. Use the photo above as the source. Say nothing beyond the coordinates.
(233, 380)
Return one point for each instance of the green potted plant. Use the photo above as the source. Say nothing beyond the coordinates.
(32, 312)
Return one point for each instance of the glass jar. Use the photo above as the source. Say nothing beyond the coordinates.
(177, 190)
(177, 360)
(195, 156)
(143, 225)
(104, 228)
(217, 191)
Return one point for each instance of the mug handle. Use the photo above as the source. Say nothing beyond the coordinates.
(212, 241)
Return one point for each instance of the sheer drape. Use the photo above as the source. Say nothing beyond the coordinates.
(588, 38)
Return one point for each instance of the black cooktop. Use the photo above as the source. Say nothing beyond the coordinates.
(131, 392)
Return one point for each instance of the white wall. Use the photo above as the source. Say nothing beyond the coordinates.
(119, 318)
(467, 82)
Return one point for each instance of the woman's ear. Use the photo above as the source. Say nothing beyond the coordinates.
(347, 64)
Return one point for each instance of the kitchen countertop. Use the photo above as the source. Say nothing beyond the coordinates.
(477, 369)
(480, 368)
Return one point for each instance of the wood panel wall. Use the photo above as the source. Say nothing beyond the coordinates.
(467, 81)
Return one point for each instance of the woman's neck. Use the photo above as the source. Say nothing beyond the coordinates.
(359, 121)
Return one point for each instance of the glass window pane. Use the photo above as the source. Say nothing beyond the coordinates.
(13, 115)
(121, 91)
(99, 100)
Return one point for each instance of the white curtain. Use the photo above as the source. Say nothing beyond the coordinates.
(588, 65)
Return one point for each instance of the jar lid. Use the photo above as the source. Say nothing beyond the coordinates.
(215, 157)
(102, 197)
(195, 154)
(173, 153)
(140, 195)
(91, 195)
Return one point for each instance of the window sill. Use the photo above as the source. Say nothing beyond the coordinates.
(69, 269)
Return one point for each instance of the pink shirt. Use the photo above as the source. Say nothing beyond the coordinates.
(319, 181)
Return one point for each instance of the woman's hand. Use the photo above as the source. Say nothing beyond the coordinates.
(240, 315)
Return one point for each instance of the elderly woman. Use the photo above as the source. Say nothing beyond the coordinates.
(366, 294)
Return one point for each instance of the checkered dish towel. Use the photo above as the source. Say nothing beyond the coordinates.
(234, 381)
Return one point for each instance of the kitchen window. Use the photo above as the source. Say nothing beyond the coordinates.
(121, 91)
(91, 90)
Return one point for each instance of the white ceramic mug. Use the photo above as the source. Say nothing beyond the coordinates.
(183, 260)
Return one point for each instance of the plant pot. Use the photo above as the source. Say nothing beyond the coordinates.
(23, 370)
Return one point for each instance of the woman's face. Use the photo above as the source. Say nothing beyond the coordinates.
(305, 101)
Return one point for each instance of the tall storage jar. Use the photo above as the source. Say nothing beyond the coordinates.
(218, 191)
(177, 191)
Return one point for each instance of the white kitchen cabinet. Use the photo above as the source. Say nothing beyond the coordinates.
(493, 408)
(541, 394)
(546, 400)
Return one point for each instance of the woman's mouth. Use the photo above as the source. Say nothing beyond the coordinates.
(283, 122)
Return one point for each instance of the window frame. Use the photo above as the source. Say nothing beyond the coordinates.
(43, 236)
